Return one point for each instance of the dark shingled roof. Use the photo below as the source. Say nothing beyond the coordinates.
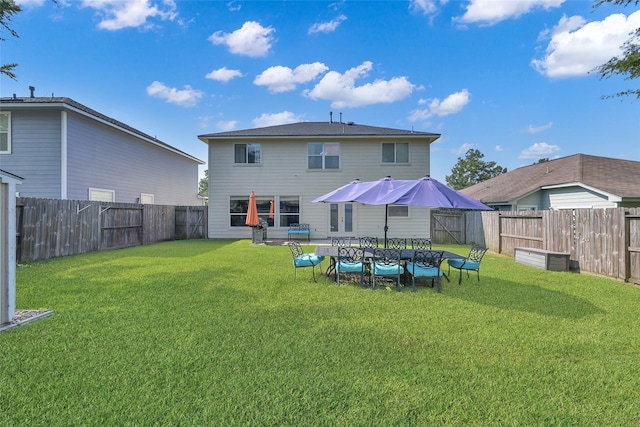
(70, 102)
(302, 129)
(614, 176)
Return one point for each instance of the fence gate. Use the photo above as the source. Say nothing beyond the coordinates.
(632, 248)
(191, 222)
(447, 226)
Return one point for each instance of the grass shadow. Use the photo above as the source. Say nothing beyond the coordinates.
(528, 298)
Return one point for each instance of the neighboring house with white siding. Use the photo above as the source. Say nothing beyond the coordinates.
(292, 164)
(65, 150)
(573, 182)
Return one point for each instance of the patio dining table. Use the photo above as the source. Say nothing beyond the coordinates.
(405, 255)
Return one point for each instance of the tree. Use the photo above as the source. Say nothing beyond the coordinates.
(203, 186)
(8, 8)
(472, 170)
(628, 64)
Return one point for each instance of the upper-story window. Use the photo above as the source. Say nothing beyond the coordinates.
(5, 133)
(247, 154)
(323, 155)
(395, 152)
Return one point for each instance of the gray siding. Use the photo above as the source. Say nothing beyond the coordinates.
(35, 152)
(530, 200)
(102, 157)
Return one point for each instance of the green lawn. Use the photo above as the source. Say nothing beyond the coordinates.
(217, 333)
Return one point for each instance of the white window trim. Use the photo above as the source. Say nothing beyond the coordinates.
(103, 191)
(324, 155)
(246, 162)
(147, 199)
(395, 153)
(399, 216)
(533, 208)
(8, 114)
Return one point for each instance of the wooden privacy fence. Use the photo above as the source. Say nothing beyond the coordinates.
(599, 241)
(48, 228)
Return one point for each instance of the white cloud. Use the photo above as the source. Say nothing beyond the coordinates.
(452, 104)
(252, 39)
(283, 79)
(490, 12)
(186, 97)
(462, 150)
(233, 6)
(537, 129)
(425, 7)
(227, 125)
(577, 47)
(119, 14)
(539, 150)
(223, 74)
(327, 27)
(498, 148)
(276, 119)
(341, 89)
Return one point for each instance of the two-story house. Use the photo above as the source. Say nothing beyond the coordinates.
(287, 166)
(65, 150)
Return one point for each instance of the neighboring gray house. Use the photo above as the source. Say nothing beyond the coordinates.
(65, 150)
(287, 166)
(578, 181)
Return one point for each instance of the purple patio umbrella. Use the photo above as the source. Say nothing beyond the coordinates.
(346, 193)
(426, 192)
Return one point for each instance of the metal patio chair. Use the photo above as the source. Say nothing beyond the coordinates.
(386, 263)
(368, 242)
(350, 261)
(302, 259)
(470, 263)
(397, 243)
(426, 264)
(420, 243)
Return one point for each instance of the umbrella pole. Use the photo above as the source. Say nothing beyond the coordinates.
(386, 227)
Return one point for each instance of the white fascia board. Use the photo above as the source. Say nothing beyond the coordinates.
(325, 138)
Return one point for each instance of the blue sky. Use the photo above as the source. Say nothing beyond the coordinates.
(509, 78)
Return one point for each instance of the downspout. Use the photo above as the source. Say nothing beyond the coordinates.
(63, 155)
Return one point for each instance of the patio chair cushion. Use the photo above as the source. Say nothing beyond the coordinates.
(350, 267)
(422, 271)
(463, 264)
(297, 230)
(307, 260)
(388, 270)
